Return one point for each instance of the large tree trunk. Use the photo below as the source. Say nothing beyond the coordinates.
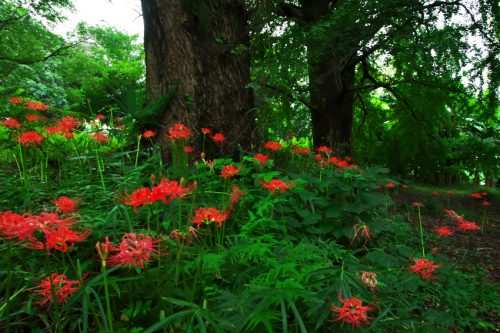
(332, 116)
(180, 43)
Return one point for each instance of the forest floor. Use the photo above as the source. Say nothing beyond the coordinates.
(457, 249)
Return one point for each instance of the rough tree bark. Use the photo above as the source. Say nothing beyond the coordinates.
(180, 43)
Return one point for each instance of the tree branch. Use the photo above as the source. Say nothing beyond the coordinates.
(364, 117)
(288, 94)
(289, 11)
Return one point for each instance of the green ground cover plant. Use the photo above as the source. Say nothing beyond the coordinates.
(99, 234)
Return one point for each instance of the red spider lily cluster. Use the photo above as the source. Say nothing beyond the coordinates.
(449, 193)
(276, 185)
(135, 250)
(218, 138)
(273, 146)
(435, 193)
(443, 231)
(52, 130)
(476, 195)
(263, 159)
(148, 134)
(100, 116)
(229, 171)
(352, 311)
(28, 227)
(32, 117)
(188, 149)
(66, 205)
(206, 131)
(100, 137)
(209, 215)
(178, 131)
(68, 125)
(30, 137)
(323, 149)
(390, 185)
(11, 123)
(63, 289)
(36, 106)
(459, 221)
(166, 191)
(405, 186)
(299, 151)
(424, 268)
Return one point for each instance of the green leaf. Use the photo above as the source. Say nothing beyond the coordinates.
(356, 208)
(334, 210)
(181, 302)
(165, 322)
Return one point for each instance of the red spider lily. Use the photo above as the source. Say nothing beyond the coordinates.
(218, 138)
(485, 203)
(449, 193)
(59, 238)
(476, 195)
(188, 149)
(352, 311)
(186, 238)
(390, 185)
(120, 127)
(67, 125)
(139, 197)
(36, 106)
(236, 195)
(301, 151)
(425, 268)
(418, 204)
(324, 149)
(23, 227)
(435, 193)
(118, 119)
(405, 186)
(229, 171)
(435, 251)
(65, 204)
(53, 130)
(369, 279)
(209, 215)
(135, 250)
(443, 232)
(11, 123)
(178, 190)
(148, 134)
(178, 131)
(15, 100)
(103, 249)
(32, 117)
(318, 158)
(484, 194)
(210, 164)
(365, 231)
(263, 159)
(465, 225)
(206, 131)
(272, 146)
(100, 137)
(63, 289)
(100, 116)
(379, 187)
(30, 137)
(452, 214)
(275, 184)
(202, 156)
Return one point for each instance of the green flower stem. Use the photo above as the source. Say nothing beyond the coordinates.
(108, 303)
(172, 216)
(77, 151)
(85, 292)
(47, 167)
(421, 232)
(200, 267)
(7, 291)
(22, 163)
(156, 289)
(284, 226)
(99, 168)
(18, 168)
(409, 259)
(477, 267)
(52, 290)
(138, 148)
